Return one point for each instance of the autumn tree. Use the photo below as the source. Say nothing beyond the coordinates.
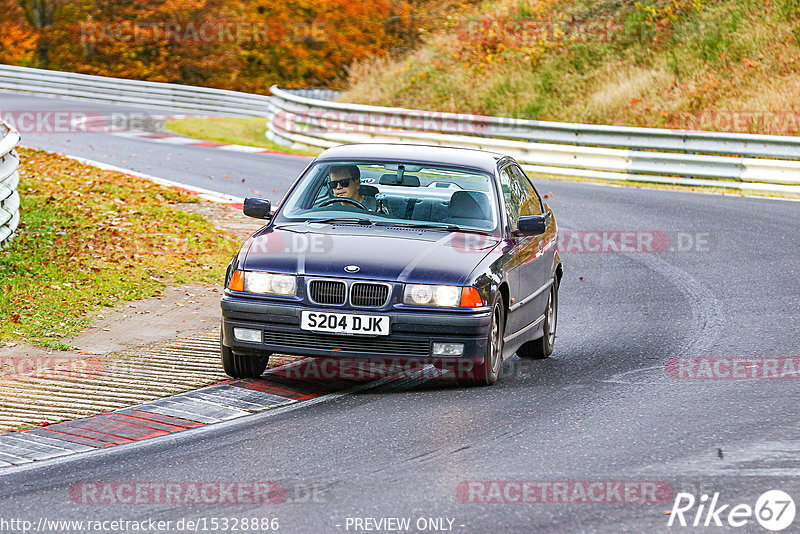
(242, 45)
(17, 37)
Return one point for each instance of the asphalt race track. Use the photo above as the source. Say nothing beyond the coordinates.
(603, 408)
(248, 174)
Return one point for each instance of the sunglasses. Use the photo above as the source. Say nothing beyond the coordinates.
(344, 182)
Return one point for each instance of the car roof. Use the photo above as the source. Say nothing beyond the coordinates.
(458, 157)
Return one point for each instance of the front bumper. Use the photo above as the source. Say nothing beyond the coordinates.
(411, 336)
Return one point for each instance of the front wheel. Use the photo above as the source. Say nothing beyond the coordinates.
(541, 348)
(241, 365)
(486, 373)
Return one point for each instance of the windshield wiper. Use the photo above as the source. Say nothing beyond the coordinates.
(442, 226)
(351, 220)
(437, 226)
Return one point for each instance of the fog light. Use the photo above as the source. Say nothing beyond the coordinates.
(247, 334)
(448, 349)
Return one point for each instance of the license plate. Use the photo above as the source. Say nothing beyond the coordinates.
(345, 323)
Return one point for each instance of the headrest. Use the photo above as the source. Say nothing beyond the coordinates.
(409, 180)
(469, 205)
(368, 190)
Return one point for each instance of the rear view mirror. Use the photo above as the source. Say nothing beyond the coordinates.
(257, 208)
(533, 224)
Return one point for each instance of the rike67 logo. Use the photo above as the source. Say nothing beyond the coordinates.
(774, 510)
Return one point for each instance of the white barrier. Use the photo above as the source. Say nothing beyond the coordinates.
(647, 154)
(9, 180)
(307, 118)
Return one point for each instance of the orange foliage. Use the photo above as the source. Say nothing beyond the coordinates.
(17, 38)
(311, 41)
(247, 45)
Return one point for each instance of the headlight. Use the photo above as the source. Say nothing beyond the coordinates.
(425, 295)
(284, 285)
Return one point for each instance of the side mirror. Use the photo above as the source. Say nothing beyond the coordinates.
(258, 208)
(534, 224)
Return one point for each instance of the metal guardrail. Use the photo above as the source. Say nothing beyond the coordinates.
(116, 90)
(9, 180)
(611, 152)
(151, 94)
(308, 117)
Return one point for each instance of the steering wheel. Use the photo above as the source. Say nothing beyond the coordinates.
(348, 200)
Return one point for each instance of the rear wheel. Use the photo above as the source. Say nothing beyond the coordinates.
(543, 347)
(242, 365)
(486, 373)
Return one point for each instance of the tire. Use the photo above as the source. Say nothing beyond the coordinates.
(242, 365)
(486, 373)
(541, 348)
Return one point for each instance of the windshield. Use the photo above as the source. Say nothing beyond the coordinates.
(395, 193)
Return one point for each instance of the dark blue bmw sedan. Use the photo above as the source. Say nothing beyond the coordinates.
(402, 252)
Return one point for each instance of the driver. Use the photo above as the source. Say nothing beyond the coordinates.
(345, 182)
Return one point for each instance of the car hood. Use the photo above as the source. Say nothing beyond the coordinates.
(380, 253)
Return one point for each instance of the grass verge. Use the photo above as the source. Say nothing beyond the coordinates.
(232, 131)
(91, 238)
(725, 65)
